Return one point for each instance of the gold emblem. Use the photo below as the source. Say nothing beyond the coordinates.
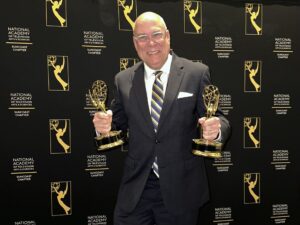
(127, 14)
(61, 198)
(59, 136)
(253, 19)
(125, 63)
(192, 17)
(56, 15)
(251, 132)
(252, 78)
(58, 77)
(251, 188)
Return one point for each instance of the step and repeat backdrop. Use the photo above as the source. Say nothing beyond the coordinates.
(53, 50)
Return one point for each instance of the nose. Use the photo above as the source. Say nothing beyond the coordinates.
(151, 41)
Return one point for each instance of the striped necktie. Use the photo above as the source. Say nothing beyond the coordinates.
(156, 107)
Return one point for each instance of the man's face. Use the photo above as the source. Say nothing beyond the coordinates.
(152, 42)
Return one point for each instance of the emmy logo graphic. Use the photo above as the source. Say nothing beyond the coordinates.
(59, 136)
(192, 17)
(58, 78)
(252, 76)
(251, 188)
(253, 19)
(125, 63)
(127, 14)
(56, 13)
(251, 132)
(61, 198)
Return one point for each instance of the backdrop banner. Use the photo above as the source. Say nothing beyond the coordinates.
(52, 51)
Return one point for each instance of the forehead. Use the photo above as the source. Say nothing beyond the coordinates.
(147, 26)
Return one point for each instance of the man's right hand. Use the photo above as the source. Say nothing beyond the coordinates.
(102, 122)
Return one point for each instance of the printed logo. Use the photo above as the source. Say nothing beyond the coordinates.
(58, 73)
(60, 136)
(127, 14)
(56, 13)
(251, 188)
(125, 63)
(192, 17)
(61, 198)
(251, 132)
(253, 19)
(252, 76)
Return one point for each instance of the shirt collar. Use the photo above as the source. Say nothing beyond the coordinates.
(165, 68)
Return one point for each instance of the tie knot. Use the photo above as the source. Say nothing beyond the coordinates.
(158, 73)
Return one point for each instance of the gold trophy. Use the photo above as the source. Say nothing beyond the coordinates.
(98, 95)
(203, 147)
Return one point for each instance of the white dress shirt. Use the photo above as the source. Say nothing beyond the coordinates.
(150, 78)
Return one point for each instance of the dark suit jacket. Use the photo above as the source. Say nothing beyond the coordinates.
(183, 178)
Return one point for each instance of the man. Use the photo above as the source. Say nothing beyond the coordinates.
(163, 182)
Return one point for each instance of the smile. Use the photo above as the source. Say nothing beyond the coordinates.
(153, 52)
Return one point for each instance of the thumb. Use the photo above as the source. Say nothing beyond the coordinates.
(109, 112)
(201, 120)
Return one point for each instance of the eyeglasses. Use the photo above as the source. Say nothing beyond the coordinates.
(155, 36)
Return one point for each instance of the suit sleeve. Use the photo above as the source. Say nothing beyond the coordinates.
(119, 115)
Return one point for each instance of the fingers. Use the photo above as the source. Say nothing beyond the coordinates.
(102, 121)
(210, 127)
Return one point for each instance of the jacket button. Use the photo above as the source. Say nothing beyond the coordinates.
(156, 141)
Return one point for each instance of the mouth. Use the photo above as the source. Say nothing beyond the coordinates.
(153, 52)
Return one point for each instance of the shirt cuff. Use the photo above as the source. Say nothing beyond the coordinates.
(219, 138)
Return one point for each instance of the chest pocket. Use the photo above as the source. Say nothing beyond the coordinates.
(186, 105)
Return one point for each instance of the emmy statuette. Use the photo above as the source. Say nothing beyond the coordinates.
(98, 95)
(203, 147)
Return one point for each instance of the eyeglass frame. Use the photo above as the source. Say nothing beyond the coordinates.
(147, 38)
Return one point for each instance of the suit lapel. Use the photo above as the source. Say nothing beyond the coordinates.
(138, 85)
(174, 81)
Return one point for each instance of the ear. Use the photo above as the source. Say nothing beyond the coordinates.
(134, 42)
(168, 37)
